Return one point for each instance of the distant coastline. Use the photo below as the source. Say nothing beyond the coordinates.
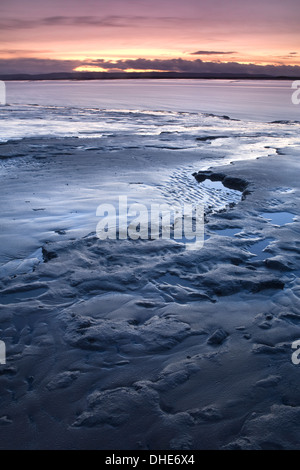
(139, 75)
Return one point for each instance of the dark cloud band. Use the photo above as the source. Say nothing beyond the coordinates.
(38, 66)
(212, 53)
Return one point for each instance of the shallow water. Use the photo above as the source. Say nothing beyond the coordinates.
(279, 218)
(258, 248)
(228, 232)
(261, 100)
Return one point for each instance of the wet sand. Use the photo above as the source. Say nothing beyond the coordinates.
(144, 344)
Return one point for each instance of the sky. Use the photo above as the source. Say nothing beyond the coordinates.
(254, 36)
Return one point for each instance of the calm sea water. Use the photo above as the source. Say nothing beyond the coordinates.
(246, 99)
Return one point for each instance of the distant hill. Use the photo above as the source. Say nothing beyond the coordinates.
(139, 75)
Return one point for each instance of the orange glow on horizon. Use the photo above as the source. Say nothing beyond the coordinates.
(89, 68)
(92, 68)
(113, 57)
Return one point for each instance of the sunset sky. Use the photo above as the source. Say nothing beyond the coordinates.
(39, 36)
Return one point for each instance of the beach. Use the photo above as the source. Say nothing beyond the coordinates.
(145, 344)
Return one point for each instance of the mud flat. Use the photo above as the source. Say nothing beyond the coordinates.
(144, 344)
